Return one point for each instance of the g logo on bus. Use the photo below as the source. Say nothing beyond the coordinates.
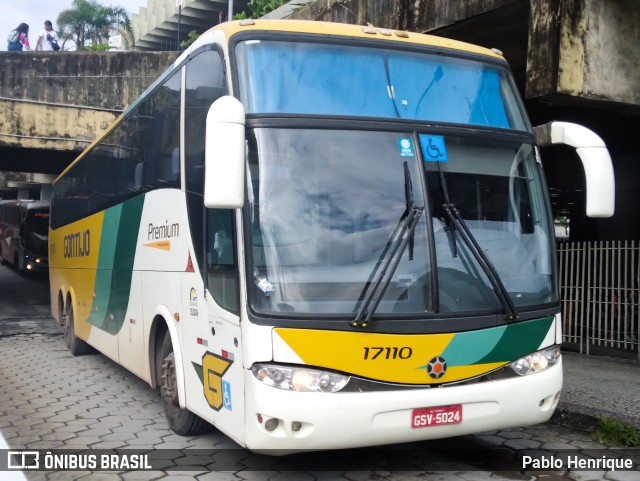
(437, 367)
(213, 368)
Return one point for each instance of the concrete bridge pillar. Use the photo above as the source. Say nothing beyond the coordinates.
(586, 49)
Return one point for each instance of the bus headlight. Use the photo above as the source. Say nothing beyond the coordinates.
(536, 362)
(300, 379)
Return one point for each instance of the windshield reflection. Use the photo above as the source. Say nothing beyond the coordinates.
(324, 203)
(323, 207)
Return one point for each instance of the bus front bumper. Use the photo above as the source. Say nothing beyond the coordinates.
(282, 422)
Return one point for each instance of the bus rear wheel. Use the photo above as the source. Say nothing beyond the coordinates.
(77, 346)
(181, 421)
(62, 313)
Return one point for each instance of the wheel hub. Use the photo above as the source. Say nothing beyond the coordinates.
(169, 381)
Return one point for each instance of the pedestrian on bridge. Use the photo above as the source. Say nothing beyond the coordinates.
(47, 38)
(18, 38)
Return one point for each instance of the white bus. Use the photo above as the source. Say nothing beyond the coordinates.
(321, 236)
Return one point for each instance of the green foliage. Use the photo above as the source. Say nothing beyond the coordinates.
(192, 36)
(259, 8)
(612, 432)
(262, 7)
(101, 47)
(88, 24)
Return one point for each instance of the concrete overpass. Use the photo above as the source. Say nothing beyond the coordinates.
(162, 24)
(52, 106)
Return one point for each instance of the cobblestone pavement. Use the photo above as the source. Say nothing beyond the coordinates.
(50, 400)
(601, 386)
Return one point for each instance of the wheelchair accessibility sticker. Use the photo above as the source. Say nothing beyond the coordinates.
(433, 148)
(226, 395)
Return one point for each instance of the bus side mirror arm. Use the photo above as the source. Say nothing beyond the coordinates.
(224, 181)
(593, 153)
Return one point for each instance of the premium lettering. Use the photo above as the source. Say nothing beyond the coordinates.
(165, 231)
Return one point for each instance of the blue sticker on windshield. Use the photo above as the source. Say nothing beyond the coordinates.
(433, 148)
(405, 146)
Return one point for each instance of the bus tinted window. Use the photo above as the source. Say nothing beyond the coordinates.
(310, 78)
(140, 154)
(205, 83)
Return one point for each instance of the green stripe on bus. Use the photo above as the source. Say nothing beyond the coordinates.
(115, 264)
(499, 344)
(469, 347)
(519, 340)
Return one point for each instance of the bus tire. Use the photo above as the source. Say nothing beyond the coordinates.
(77, 346)
(61, 312)
(181, 421)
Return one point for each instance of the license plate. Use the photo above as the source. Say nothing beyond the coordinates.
(436, 416)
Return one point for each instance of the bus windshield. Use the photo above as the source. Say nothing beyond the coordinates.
(37, 231)
(323, 205)
(337, 80)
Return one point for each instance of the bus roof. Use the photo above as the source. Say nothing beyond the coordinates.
(346, 30)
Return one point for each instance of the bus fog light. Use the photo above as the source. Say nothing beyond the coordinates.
(271, 424)
(299, 378)
(296, 426)
(536, 362)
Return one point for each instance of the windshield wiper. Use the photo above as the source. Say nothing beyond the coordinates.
(401, 237)
(459, 225)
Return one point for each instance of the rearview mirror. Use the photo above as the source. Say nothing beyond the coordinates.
(593, 153)
(224, 154)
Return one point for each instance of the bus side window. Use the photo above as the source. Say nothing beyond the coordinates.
(205, 83)
(221, 259)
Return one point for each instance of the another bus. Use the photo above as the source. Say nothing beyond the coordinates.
(320, 236)
(24, 227)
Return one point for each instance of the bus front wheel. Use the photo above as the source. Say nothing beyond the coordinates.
(181, 421)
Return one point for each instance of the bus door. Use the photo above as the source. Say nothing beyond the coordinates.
(218, 361)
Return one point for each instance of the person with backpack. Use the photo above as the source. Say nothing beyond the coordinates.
(47, 38)
(18, 38)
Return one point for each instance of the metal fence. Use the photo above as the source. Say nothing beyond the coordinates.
(599, 293)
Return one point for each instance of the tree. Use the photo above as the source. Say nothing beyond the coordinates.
(259, 8)
(191, 37)
(88, 24)
(262, 7)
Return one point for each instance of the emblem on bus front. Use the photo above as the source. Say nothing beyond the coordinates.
(437, 367)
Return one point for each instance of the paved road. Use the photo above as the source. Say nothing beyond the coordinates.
(51, 400)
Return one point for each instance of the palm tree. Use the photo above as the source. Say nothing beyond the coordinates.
(88, 24)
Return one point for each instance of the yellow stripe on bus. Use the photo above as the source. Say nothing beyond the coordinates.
(73, 259)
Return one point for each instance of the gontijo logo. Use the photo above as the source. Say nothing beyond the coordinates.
(77, 244)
